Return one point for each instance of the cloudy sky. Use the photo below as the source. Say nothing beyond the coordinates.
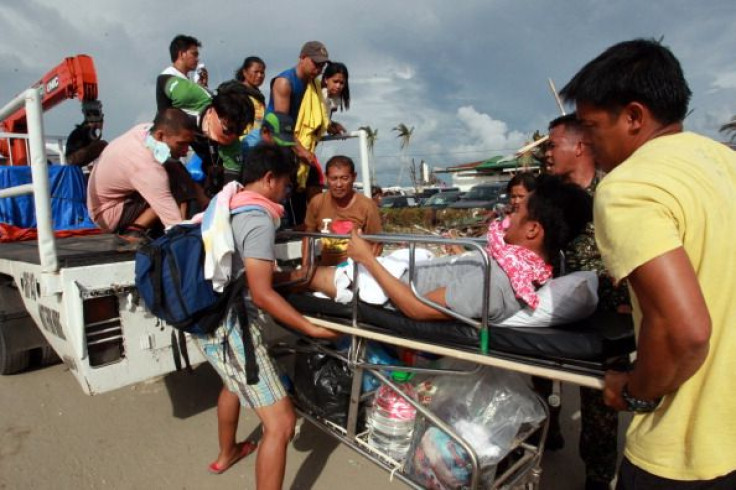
(469, 75)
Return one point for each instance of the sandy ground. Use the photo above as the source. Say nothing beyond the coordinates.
(162, 434)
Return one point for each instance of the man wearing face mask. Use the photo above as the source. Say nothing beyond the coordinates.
(138, 184)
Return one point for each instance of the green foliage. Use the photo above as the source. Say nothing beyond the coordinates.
(406, 220)
(372, 136)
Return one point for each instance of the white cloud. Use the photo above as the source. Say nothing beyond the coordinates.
(488, 133)
(471, 80)
(725, 80)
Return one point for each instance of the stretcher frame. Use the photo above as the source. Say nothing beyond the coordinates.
(482, 356)
(524, 472)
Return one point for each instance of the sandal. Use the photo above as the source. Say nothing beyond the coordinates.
(246, 448)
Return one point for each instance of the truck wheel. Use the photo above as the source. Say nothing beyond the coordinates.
(11, 362)
(47, 356)
(21, 342)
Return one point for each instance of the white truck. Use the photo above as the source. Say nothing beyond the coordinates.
(76, 296)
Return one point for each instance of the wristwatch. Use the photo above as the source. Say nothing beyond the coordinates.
(637, 404)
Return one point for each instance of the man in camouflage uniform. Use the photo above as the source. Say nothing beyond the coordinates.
(568, 156)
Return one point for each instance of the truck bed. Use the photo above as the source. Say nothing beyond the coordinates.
(72, 251)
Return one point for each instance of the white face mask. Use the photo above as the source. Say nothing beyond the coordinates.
(161, 151)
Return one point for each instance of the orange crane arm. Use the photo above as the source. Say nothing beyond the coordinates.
(73, 77)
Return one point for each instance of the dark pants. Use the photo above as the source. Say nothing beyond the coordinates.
(182, 190)
(598, 432)
(598, 436)
(631, 477)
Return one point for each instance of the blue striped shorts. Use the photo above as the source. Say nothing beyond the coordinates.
(230, 364)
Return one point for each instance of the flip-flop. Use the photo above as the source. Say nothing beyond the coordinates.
(247, 448)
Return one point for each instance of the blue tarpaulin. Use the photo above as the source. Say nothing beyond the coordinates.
(68, 191)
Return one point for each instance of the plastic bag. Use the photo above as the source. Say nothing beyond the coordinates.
(375, 353)
(487, 411)
(322, 384)
(194, 167)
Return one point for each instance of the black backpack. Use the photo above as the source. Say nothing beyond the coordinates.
(169, 275)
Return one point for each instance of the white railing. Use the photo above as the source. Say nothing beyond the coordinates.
(55, 146)
(39, 175)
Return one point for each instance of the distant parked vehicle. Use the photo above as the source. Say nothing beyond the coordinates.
(484, 196)
(398, 202)
(442, 199)
(430, 192)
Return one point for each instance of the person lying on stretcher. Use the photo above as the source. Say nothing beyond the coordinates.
(521, 250)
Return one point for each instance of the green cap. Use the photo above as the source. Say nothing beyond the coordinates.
(281, 127)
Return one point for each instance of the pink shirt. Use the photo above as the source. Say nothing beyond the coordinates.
(126, 166)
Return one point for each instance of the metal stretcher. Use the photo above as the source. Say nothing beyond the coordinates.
(576, 353)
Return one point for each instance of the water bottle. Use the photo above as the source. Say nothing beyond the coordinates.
(391, 420)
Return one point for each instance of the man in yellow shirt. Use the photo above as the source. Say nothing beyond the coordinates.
(665, 221)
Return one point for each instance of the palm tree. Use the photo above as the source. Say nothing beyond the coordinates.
(405, 134)
(371, 137)
(730, 127)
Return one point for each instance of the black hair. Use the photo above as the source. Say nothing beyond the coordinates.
(247, 63)
(264, 158)
(182, 43)
(562, 208)
(641, 71)
(570, 121)
(231, 102)
(525, 179)
(333, 68)
(376, 191)
(339, 161)
(174, 120)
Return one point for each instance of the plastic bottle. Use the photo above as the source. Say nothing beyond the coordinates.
(319, 244)
(391, 420)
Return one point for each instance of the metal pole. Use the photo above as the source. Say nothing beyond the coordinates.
(12, 106)
(18, 190)
(40, 175)
(365, 169)
(556, 95)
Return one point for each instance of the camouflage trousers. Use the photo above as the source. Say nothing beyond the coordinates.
(598, 436)
(598, 432)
